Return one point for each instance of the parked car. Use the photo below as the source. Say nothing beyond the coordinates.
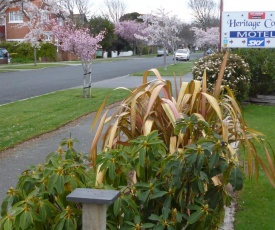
(160, 53)
(182, 54)
(4, 55)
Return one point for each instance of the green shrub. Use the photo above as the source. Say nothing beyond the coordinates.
(9, 46)
(24, 53)
(48, 51)
(24, 50)
(172, 190)
(20, 60)
(236, 74)
(169, 185)
(39, 199)
(262, 67)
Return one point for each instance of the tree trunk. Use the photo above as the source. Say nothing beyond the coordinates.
(134, 49)
(34, 54)
(164, 59)
(87, 80)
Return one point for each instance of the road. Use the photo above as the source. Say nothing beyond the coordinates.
(25, 84)
(20, 85)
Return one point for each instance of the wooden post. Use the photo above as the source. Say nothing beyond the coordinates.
(94, 206)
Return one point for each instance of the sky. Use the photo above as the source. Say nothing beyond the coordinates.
(180, 8)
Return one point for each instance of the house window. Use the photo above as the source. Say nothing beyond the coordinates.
(15, 16)
(48, 37)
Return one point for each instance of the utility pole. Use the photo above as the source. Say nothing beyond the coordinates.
(221, 10)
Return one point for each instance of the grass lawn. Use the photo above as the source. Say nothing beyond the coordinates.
(17, 67)
(178, 69)
(27, 119)
(257, 199)
(30, 66)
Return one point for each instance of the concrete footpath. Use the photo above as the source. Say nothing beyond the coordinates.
(32, 152)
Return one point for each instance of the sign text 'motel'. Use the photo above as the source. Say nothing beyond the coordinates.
(248, 29)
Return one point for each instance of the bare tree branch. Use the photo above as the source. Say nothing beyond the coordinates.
(114, 10)
(76, 6)
(69, 5)
(83, 6)
(204, 12)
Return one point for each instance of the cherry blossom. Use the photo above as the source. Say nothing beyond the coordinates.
(81, 42)
(162, 29)
(77, 40)
(130, 31)
(37, 17)
(209, 38)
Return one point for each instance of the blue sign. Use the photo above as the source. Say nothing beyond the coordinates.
(255, 42)
(252, 34)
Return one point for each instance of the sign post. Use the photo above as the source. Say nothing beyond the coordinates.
(221, 11)
(248, 29)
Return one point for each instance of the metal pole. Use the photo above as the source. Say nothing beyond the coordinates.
(221, 10)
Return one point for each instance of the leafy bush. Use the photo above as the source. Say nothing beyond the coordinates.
(23, 52)
(171, 190)
(236, 74)
(39, 199)
(262, 67)
(167, 186)
(48, 51)
(8, 45)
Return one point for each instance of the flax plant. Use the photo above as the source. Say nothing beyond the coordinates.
(152, 106)
(175, 158)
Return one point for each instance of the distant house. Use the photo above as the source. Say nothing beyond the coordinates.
(13, 16)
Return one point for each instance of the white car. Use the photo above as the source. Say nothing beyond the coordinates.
(160, 53)
(182, 54)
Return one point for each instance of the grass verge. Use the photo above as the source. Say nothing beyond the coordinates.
(18, 67)
(256, 201)
(178, 69)
(31, 66)
(23, 120)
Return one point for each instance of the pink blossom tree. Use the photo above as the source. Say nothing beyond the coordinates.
(208, 38)
(80, 42)
(37, 17)
(44, 25)
(129, 30)
(162, 29)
